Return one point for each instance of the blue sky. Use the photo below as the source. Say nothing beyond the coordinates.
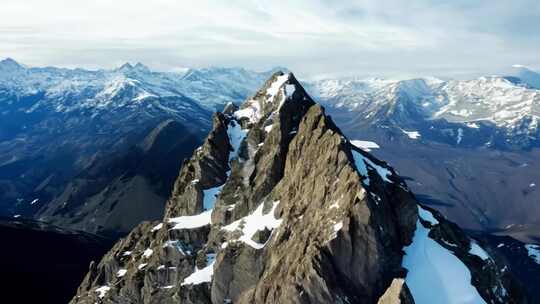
(456, 38)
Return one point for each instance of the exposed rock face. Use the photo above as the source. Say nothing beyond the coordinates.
(397, 293)
(278, 207)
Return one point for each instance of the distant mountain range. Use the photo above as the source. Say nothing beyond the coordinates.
(72, 140)
(496, 110)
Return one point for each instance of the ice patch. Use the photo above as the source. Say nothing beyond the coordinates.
(268, 128)
(254, 222)
(459, 136)
(193, 221)
(143, 95)
(126, 253)
(148, 253)
(157, 227)
(478, 251)
(252, 111)
(365, 145)
(435, 274)
(334, 205)
(427, 216)
(362, 164)
(412, 134)
(473, 125)
(120, 273)
(236, 136)
(141, 266)
(201, 275)
(34, 201)
(102, 291)
(338, 226)
(534, 252)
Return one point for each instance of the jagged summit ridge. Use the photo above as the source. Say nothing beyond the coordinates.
(277, 206)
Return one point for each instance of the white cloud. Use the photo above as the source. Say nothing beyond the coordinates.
(311, 37)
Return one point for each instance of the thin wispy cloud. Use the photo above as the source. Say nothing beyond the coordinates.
(339, 38)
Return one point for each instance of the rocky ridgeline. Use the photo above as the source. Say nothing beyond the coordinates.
(278, 207)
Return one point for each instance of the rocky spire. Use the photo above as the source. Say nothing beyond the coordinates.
(277, 206)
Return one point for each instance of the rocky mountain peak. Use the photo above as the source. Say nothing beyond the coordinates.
(129, 69)
(270, 98)
(529, 76)
(141, 67)
(277, 206)
(126, 67)
(9, 65)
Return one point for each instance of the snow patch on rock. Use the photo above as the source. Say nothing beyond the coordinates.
(157, 227)
(203, 275)
(427, 216)
(193, 221)
(365, 145)
(120, 273)
(534, 252)
(148, 253)
(363, 163)
(435, 275)
(412, 134)
(478, 251)
(254, 222)
(102, 291)
(236, 136)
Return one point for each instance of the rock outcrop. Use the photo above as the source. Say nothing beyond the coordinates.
(277, 206)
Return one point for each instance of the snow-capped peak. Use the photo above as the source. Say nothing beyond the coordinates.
(275, 91)
(125, 67)
(117, 84)
(504, 101)
(494, 99)
(9, 65)
(141, 67)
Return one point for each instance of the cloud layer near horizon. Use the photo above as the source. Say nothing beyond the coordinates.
(313, 38)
